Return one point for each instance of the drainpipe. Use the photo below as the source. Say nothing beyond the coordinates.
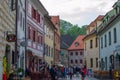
(16, 35)
(25, 38)
(54, 49)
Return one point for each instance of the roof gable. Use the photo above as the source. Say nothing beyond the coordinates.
(77, 44)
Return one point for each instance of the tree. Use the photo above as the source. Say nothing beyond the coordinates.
(73, 30)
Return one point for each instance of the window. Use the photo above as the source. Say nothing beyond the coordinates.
(101, 42)
(71, 61)
(34, 35)
(76, 61)
(91, 61)
(52, 55)
(49, 51)
(81, 53)
(96, 62)
(96, 42)
(41, 40)
(23, 24)
(106, 63)
(91, 43)
(109, 38)
(76, 53)
(105, 41)
(71, 53)
(38, 17)
(33, 13)
(81, 61)
(29, 32)
(115, 35)
(76, 44)
(21, 19)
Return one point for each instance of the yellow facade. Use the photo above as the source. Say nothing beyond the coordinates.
(91, 50)
(7, 24)
(91, 53)
(49, 41)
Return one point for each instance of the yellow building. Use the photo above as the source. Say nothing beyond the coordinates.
(7, 26)
(49, 40)
(91, 50)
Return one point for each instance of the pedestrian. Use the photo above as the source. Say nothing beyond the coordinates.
(53, 73)
(70, 72)
(83, 72)
(110, 71)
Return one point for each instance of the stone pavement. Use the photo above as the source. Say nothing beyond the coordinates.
(79, 78)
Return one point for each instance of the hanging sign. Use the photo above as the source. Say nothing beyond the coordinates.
(11, 37)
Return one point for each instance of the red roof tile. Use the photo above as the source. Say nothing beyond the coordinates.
(99, 18)
(77, 44)
(92, 24)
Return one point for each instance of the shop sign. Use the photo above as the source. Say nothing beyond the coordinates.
(11, 38)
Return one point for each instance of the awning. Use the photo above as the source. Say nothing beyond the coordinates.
(60, 65)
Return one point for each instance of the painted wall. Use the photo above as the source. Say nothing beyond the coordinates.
(91, 52)
(21, 32)
(107, 51)
(76, 57)
(7, 23)
(49, 41)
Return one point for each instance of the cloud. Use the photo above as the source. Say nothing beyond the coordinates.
(79, 12)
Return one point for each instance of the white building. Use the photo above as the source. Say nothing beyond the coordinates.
(108, 34)
(21, 34)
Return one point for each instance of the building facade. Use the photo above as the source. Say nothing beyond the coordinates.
(65, 43)
(56, 22)
(109, 39)
(49, 40)
(76, 52)
(35, 34)
(7, 28)
(21, 34)
(64, 53)
(91, 49)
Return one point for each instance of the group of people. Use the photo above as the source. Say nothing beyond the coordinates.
(82, 71)
(57, 72)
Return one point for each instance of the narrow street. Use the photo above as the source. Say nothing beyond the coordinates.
(79, 78)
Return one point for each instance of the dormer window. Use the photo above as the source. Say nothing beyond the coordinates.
(76, 44)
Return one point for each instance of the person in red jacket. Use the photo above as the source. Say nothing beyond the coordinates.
(83, 72)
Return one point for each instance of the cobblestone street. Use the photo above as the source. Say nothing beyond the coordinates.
(79, 78)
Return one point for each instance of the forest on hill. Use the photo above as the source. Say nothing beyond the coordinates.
(70, 29)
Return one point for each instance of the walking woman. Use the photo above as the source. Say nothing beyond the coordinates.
(83, 72)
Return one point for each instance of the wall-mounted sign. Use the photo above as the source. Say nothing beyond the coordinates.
(11, 38)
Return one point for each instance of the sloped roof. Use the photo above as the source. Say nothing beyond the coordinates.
(99, 18)
(63, 45)
(92, 24)
(91, 33)
(68, 39)
(79, 42)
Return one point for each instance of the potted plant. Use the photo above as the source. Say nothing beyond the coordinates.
(20, 71)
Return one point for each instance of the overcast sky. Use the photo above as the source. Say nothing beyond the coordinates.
(79, 12)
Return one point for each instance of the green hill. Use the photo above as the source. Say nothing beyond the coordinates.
(73, 30)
